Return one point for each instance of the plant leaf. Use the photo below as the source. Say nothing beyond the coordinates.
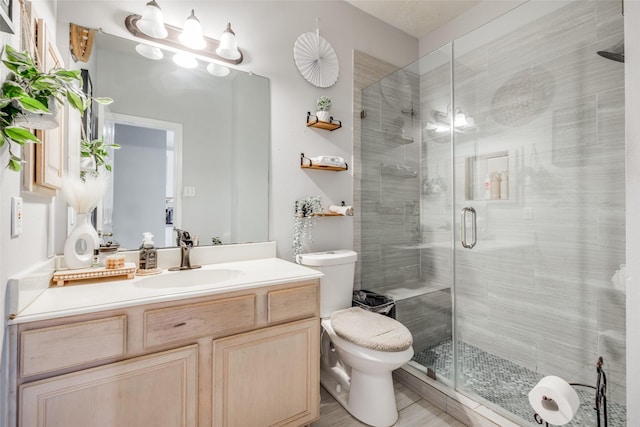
(103, 100)
(33, 105)
(75, 101)
(70, 74)
(20, 135)
(11, 89)
(15, 163)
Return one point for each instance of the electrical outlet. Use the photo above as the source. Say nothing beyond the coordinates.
(16, 216)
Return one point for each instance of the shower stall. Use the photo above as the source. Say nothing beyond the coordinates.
(493, 206)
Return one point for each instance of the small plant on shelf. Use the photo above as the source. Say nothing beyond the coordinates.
(323, 105)
(303, 218)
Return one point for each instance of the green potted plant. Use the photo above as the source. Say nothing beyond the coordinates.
(324, 105)
(29, 90)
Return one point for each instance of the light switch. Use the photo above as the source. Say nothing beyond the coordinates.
(16, 216)
(189, 192)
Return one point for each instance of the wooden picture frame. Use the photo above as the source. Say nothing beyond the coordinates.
(44, 162)
(6, 16)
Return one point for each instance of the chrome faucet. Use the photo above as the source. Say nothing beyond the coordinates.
(184, 240)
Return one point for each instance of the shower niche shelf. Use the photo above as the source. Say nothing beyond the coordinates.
(307, 163)
(331, 125)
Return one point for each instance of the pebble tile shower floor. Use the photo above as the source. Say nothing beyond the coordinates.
(506, 384)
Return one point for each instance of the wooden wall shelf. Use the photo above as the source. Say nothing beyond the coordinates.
(324, 168)
(306, 163)
(331, 125)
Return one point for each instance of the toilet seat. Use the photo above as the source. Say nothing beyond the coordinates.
(371, 330)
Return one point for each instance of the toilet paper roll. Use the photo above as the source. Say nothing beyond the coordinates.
(343, 210)
(554, 400)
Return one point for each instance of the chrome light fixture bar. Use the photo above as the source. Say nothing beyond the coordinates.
(172, 40)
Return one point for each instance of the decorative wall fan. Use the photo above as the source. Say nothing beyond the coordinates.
(316, 60)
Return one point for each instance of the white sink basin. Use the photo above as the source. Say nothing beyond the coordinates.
(187, 278)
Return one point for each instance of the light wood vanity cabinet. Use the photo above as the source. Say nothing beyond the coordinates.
(245, 358)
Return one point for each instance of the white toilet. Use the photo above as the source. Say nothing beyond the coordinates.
(359, 348)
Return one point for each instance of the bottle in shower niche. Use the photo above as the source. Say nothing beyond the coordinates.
(495, 186)
(487, 187)
(148, 254)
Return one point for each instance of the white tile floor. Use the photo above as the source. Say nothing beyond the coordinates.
(414, 412)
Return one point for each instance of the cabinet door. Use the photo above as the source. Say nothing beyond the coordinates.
(159, 390)
(268, 377)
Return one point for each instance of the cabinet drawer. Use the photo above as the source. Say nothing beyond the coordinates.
(49, 349)
(293, 303)
(192, 321)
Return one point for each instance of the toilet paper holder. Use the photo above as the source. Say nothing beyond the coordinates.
(600, 405)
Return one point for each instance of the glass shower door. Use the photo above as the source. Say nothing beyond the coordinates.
(538, 155)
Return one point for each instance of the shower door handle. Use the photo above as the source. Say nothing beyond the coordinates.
(463, 228)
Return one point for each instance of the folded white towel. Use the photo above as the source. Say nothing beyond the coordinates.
(336, 161)
(342, 210)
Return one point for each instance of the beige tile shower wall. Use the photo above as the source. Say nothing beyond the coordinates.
(537, 288)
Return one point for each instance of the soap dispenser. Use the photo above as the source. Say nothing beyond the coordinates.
(148, 254)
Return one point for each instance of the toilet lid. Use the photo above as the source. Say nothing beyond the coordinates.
(371, 330)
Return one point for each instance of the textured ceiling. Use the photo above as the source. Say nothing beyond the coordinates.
(414, 17)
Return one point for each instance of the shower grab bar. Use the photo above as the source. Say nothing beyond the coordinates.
(463, 228)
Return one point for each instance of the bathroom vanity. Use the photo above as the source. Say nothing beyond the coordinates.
(242, 351)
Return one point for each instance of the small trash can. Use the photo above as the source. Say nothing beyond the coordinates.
(372, 301)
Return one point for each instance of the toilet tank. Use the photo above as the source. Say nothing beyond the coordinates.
(336, 287)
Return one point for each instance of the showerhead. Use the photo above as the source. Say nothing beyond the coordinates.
(615, 53)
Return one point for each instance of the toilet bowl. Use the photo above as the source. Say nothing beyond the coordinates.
(359, 349)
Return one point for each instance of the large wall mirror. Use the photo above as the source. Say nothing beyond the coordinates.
(195, 148)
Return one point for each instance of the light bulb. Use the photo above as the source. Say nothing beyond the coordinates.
(191, 35)
(185, 60)
(152, 22)
(228, 48)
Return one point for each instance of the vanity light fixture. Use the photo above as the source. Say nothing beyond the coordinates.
(189, 39)
(191, 35)
(152, 21)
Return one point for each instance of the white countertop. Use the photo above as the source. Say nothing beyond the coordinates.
(106, 295)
